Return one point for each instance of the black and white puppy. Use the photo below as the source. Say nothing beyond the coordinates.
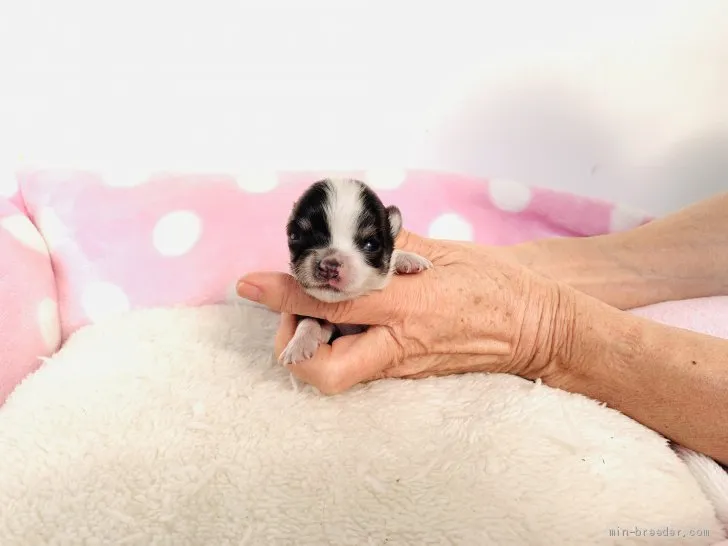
(341, 242)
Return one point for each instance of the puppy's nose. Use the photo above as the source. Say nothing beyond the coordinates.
(329, 268)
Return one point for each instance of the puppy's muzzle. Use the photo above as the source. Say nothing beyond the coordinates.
(329, 268)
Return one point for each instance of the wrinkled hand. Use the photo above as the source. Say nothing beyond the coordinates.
(474, 311)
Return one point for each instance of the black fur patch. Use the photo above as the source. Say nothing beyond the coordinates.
(307, 229)
(374, 235)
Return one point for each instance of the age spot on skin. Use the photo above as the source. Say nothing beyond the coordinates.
(478, 300)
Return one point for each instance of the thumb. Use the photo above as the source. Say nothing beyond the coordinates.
(282, 293)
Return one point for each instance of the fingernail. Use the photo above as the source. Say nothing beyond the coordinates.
(249, 291)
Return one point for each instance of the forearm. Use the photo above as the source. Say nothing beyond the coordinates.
(671, 380)
(681, 256)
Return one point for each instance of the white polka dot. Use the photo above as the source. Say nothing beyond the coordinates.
(103, 299)
(257, 182)
(54, 231)
(624, 218)
(385, 179)
(49, 324)
(452, 227)
(177, 232)
(509, 196)
(20, 227)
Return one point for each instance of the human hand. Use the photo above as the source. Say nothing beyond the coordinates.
(474, 311)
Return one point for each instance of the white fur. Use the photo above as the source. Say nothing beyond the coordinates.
(712, 479)
(405, 263)
(342, 211)
(176, 427)
(310, 333)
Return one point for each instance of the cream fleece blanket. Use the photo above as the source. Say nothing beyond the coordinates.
(175, 427)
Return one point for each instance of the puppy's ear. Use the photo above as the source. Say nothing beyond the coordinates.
(395, 220)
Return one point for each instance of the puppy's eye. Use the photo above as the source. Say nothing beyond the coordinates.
(293, 237)
(371, 245)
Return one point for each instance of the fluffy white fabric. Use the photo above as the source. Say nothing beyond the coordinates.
(176, 427)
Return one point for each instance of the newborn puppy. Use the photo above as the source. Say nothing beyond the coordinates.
(341, 243)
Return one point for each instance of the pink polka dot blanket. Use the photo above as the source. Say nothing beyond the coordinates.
(80, 246)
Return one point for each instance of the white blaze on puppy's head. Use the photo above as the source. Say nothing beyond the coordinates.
(341, 239)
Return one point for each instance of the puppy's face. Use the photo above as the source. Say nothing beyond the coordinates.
(341, 240)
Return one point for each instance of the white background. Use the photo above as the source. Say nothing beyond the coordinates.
(626, 100)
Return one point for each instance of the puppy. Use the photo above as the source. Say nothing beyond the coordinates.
(341, 243)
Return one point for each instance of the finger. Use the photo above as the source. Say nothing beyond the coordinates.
(286, 329)
(282, 293)
(432, 249)
(350, 360)
(411, 242)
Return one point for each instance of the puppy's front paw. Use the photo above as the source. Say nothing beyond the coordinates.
(406, 263)
(300, 348)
